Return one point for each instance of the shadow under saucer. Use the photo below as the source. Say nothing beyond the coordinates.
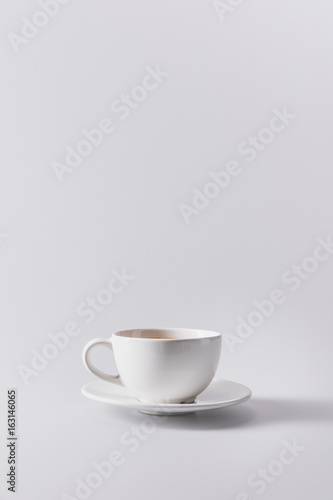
(257, 412)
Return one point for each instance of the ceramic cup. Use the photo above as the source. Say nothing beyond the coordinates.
(165, 365)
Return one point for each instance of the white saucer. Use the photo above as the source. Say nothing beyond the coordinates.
(219, 394)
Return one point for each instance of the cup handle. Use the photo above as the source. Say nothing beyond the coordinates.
(115, 379)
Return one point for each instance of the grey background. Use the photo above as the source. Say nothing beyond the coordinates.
(119, 209)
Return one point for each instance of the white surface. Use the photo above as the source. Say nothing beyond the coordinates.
(62, 243)
(219, 394)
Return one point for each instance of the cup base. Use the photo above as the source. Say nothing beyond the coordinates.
(165, 413)
(169, 401)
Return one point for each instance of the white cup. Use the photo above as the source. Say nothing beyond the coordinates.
(164, 365)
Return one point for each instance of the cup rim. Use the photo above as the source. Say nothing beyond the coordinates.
(201, 334)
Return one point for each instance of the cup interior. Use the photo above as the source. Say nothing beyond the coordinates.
(166, 333)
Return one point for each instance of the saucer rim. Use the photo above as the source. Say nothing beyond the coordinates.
(169, 407)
